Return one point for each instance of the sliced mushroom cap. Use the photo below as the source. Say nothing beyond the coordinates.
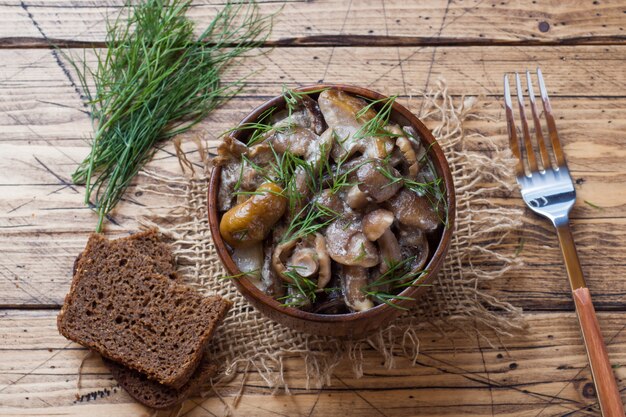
(377, 226)
(375, 184)
(294, 139)
(378, 147)
(308, 257)
(375, 223)
(390, 250)
(327, 199)
(324, 273)
(273, 284)
(279, 258)
(414, 244)
(342, 109)
(353, 280)
(230, 149)
(409, 155)
(341, 112)
(355, 198)
(414, 139)
(413, 210)
(315, 117)
(306, 113)
(304, 261)
(347, 244)
(249, 260)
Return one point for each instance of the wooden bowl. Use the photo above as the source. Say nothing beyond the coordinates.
(351, 325)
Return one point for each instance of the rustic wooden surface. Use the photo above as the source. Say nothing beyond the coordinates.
(392, 46)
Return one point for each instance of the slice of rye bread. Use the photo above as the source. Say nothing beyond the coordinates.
(146, 391)
(155, 395)
(121, 309)
(149, 243)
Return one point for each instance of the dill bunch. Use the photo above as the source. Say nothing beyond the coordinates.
(155, 80)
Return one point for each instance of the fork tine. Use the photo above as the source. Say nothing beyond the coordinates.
(543, 151)
(510, 123)
(530, 153)
(547, 109)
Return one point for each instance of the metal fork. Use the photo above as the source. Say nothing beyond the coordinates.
(548, 190)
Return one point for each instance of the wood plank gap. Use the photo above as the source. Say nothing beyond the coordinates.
(29, 42)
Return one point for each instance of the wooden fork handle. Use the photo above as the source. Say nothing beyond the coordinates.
(606, 387)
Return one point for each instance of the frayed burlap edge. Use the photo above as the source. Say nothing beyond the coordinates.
(248, 341)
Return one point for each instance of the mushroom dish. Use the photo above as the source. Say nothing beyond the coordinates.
(329, 205)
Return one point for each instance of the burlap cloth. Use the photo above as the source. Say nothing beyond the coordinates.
(247, 340)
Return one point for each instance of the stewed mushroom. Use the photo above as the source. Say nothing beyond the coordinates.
(329, 206)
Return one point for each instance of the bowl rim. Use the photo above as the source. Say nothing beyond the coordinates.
(250, 291)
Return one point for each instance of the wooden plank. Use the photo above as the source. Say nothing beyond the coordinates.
(544, 369)
(31, 78)
(337, 22)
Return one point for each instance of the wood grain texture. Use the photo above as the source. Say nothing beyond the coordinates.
(591, 71)
(543, 369)
(33, 23)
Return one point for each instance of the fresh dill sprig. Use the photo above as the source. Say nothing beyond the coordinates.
(340, 177)
(155, 80)
(241, 274)
(397, 277)
(305, 289)
(595, 206)
(375, 127)
(293, 98)
(261, 128)
(433, 190)
(310, 219)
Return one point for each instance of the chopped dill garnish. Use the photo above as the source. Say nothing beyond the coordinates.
(397, 277)
(304, 288)
(339, 178)
(312, 218)
(362, 253)
(375, 127)
(241, 274)
(589, 203)
(432, 190)
(294, 98)
(262, 128)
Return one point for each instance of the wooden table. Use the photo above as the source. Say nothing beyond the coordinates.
(392, 46)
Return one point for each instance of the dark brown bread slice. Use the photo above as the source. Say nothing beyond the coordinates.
(138, 386)
(120, 308)
(150, 245)
(155, 395)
